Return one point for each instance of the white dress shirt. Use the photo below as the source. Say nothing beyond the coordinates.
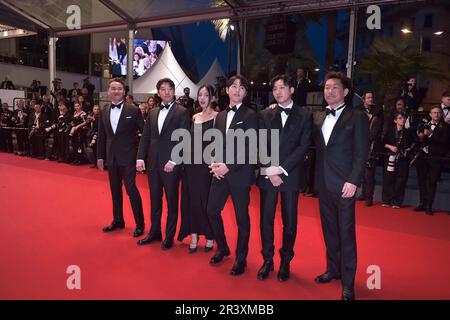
(114, 116)
(445, 111)
(283, 115)
(162, 116)
(329, 123)
(230, 116)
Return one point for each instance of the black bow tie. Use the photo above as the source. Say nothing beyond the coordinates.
(116, 106)
(446, 108)
(163, 106)
(333, 111)
(231, 108)
(287, 111)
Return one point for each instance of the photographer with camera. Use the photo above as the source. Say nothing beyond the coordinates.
(60, 129)
(6, 122)
(20, 119)
(398, 141)
(434, 139)
(36, 130)
(91, 135)
(77, 134)
(374, 114)
(187, 102)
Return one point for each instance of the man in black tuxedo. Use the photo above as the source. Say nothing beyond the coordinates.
(301, 87)
(342, 139)
(163, 174)
(232, 177)
(375, 117)
(285, 175)
(116, 147)
(434, 138)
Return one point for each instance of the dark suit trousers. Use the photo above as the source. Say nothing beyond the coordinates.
(268, 204)
(127, 174)
(368, 184)
(218, 194)
(338, 226)
(428, 173)
(394, 183)
(160, 181)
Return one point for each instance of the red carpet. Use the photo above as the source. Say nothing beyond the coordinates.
(51, 216)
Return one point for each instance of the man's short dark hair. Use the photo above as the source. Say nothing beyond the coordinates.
(446, 94)
(368, 91)
(165, 80)
(130, 96)
(346, 82)
(287, 80)
(400, 99)
(119, 80)
(244, 81)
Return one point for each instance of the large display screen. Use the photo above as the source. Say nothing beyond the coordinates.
(145, 54)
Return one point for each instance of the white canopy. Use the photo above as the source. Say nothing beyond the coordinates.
(166, 66)
(210, 78)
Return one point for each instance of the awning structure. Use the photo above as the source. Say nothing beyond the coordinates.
(111, 15)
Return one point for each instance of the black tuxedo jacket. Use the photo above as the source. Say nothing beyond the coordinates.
(293, 145)
(344, 158)
(245, 118)
(122, 145)
(438, 142)
(157, 147)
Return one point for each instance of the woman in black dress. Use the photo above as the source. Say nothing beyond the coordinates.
(197, 180)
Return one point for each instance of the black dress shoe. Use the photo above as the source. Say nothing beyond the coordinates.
(114, 226)
(369, 202)
(429, 211)
(266, 268)
(348, 293)
(208, 249)
(420, 207)
(238, 268)
(327, 277)
(138, 231)
(192, 250)
(151, 237)
(284, 273)
(167, 244)
(219, 256)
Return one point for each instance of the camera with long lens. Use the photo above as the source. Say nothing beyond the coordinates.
(93, 141)
(392, 160)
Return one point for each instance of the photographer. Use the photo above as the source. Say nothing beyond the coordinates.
(20, 119)
(91, 135)
(399, 142)
(434, 139)
(6, 122)
(61, 131)
(36, 128)
(77, 134)
(375, 130)
(411, 95)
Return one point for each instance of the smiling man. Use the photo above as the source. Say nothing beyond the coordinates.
(163, 174)
(342, 138)
(231, 177)
(117, 146)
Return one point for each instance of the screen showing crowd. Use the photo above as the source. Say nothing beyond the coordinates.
(145, 54)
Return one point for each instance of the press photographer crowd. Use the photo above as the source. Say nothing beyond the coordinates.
(62, 125)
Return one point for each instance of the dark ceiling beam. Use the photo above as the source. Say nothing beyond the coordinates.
(25, 15)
